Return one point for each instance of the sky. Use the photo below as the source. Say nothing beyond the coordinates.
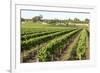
(28, 14)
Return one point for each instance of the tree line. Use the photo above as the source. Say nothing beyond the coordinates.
(55, 21)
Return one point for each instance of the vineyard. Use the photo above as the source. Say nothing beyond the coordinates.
(43, 43)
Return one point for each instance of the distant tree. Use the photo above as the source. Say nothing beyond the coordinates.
(67, 22)
(37, 18)
(22, 19)
(76, 20)
(56, 21)
(86, 20)
(70, 20)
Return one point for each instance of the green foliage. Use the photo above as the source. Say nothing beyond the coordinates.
(26, 37)
(81, 47)
(48, 52)
(50, 40)
(25, 45)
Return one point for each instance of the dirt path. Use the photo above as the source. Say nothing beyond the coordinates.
(68, 50)
(88, 48)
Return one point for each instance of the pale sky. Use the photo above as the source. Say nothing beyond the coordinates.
(53, 15)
